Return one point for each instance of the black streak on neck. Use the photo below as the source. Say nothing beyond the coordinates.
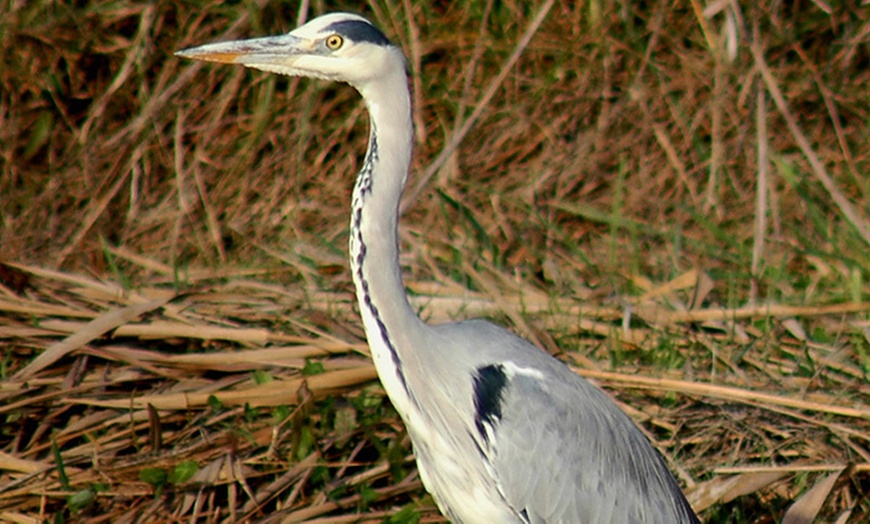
(365, 183)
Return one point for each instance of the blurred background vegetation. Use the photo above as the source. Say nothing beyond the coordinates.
(641, 168)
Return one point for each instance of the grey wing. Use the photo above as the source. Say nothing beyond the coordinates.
(561, 451)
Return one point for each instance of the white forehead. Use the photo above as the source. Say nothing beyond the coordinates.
(315, 28)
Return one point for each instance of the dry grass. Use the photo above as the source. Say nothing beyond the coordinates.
(177, 319)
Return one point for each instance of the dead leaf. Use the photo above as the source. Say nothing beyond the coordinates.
(807, 507)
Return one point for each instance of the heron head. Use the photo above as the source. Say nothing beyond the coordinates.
(339, 46)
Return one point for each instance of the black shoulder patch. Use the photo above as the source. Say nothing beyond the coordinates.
(489, 385)
(360, 31)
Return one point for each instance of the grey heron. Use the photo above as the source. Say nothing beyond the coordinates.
(502, 431)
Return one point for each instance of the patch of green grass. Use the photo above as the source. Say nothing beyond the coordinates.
(160, 478)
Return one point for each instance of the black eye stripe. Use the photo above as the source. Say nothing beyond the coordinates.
(359, 31)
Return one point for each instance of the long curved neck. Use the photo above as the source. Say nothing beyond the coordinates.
(374, 253)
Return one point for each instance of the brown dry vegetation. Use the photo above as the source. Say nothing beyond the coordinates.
(177, 321)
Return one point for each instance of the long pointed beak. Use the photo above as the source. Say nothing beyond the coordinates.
(272, 50)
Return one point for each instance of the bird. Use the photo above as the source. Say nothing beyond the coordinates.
(502, 431)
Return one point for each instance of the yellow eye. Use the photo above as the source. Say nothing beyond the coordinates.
(334, 41)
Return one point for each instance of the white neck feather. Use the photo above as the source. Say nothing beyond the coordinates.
(374, 256)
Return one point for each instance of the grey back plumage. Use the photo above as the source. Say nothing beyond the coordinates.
(553, 445)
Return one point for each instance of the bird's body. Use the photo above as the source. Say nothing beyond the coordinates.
(537, 445)
(502, 431)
